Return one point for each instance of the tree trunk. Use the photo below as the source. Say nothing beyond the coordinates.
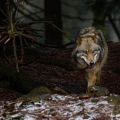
(52, 35)
(3, 8)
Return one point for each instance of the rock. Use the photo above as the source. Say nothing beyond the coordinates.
(40, 91)
(97, 91)
(103, 91)
(112, 99)
(116, 109)
(36, 94)
(60, 91)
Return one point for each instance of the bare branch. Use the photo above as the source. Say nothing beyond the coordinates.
(21, 46)
(24, 35)
(7, 40)
(3, 27)
(34, 34)
(58, 28)
(34, 22)
(4, 38)
(26, 43)
(3, 13)
(15, 55)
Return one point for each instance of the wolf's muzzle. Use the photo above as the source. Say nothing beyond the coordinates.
(91, 65)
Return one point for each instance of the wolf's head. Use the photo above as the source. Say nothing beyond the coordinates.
(87, 49)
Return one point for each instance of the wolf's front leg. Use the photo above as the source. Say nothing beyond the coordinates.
(98, 77)
(93, 76)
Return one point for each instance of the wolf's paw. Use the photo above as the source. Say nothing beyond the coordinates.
(97, 91)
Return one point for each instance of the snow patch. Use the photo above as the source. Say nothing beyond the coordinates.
(61, 107)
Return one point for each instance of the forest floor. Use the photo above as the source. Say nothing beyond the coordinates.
(72, 81)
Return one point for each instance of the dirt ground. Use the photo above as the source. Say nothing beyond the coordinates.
(72, 81)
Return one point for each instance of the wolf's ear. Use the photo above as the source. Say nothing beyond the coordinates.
(94, 38)
(78, 39)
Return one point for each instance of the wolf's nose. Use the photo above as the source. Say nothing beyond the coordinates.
(91, 63)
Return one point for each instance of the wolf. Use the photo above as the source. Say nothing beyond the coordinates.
(90, 52)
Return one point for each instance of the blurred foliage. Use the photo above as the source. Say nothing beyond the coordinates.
(101, 9)
(110, 6)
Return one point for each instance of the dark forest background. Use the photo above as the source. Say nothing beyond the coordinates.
(60, 20)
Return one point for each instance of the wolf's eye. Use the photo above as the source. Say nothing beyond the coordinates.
(83, 51)
(95, 50)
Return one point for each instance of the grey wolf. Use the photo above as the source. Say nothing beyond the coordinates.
(90, 53)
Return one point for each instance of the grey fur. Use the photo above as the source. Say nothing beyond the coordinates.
(79, 54)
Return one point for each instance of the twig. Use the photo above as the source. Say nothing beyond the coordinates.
(2, 28)
(36, 6)
(21, 46)
(51, 46)
(29, 37)
(28, 16)
(26, 43)
(34, 22)
(3, 13)
(15, 10)
(29, 61)
(15, 55)
(3, 39)
(7, 40)
(37, 30)
(57, 28)
(34, 34)
(29, 68)
(67, 44)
